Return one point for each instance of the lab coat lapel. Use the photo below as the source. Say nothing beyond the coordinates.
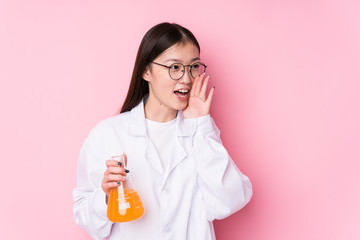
(137, 127)
(152, 157)
(185, 130)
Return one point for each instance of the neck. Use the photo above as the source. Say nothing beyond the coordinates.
(158, 112)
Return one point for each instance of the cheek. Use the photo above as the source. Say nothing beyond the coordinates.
(164, 87)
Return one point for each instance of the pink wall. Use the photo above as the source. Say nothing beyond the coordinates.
(287, 101)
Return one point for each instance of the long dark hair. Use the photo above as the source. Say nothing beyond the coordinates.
(156, 40)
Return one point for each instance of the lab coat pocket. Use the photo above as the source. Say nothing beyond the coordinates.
(198, 225)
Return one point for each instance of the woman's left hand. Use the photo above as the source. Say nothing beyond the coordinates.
(199, 105)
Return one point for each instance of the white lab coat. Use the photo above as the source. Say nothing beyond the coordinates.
(201, 183)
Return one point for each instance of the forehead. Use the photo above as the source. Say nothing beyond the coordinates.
(182, 52)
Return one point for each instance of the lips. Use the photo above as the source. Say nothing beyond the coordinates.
(182, 94)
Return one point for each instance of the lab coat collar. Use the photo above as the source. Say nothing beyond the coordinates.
(185, 128)
(137, 127)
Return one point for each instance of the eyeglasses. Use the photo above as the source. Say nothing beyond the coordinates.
(177, 70)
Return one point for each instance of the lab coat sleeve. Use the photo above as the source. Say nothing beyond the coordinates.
(223, 187)
(90, 207)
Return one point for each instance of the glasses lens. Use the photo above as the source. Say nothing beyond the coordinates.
(197, 69)
(176, 70)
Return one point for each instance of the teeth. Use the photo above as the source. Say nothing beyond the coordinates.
(183, 91)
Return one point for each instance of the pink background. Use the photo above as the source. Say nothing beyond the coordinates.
(287, 100)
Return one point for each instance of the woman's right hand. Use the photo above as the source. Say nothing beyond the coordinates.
(114, 174)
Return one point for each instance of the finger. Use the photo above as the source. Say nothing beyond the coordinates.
(113, 184)
(192, 91)
(114, 178)
(117, 160)
(116, 170)
(198, 85)
(111, 162)
(202, 94)
(210, 96)
(107, 186)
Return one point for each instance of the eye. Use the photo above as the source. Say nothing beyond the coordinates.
(196, 66)
(175, 67)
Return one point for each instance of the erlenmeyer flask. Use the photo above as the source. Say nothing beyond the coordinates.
(124, 203)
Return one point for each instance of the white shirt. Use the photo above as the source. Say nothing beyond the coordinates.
(201, 183)
(163, 136)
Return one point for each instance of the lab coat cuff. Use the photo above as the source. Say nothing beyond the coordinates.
(99, 204)
(204, 125)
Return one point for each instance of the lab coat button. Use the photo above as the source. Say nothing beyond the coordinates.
(167, 228)
(167, 190)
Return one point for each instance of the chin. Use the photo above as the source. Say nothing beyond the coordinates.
(179, 105)
(182, 106)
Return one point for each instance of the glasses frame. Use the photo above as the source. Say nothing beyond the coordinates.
(184, 67)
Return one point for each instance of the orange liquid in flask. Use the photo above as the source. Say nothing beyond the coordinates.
(131, 207)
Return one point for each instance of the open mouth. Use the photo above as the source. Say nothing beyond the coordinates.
(182, 93)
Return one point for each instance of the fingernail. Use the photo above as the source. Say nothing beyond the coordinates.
(204, 73)
(119, 182)
(127, 171)
(125, 178)
(119, 163)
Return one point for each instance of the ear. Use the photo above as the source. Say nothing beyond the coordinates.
(147, 74)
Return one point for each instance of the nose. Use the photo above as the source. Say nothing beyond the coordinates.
(186, 78)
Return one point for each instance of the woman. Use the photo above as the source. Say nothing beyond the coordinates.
(184, 175)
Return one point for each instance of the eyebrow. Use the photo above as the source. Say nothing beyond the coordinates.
(177, 60)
